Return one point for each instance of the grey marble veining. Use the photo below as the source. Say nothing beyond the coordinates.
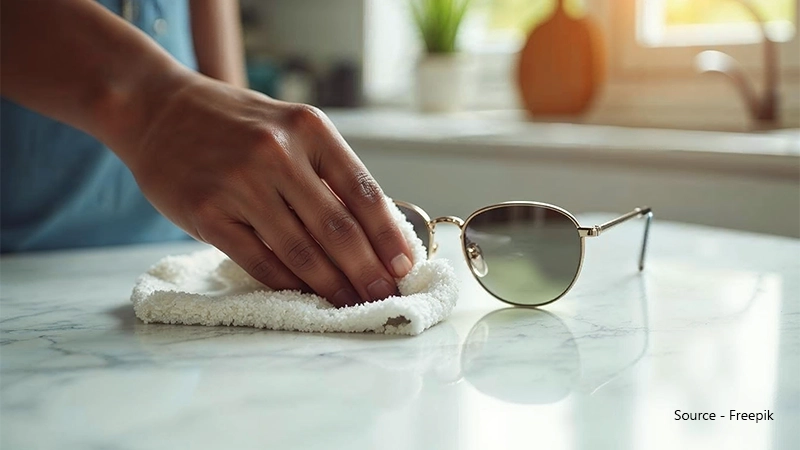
(713, 324)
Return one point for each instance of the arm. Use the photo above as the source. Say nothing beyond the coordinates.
(104, 76)
(217, 35)
(644, 211)
(271, 184)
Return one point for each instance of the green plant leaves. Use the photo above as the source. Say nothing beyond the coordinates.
(438, 22)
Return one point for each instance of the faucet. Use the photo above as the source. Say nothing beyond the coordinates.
(763, 109)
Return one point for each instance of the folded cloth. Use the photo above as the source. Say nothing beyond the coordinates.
(207, 288)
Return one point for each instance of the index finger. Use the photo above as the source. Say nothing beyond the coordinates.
(350, 180)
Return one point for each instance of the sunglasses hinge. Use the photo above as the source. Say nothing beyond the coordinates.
(589, 231)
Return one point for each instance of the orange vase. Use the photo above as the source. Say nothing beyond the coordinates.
(562, 65)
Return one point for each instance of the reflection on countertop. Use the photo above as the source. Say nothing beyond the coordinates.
(711, 325)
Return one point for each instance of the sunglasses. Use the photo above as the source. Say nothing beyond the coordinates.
(523, 253)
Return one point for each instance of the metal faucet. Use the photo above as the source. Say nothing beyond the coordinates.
(763, 109)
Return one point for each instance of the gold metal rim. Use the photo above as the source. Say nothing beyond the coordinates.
(557, 209)
(426, 217)
(583, 232)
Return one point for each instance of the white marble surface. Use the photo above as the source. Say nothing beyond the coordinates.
(713, 324)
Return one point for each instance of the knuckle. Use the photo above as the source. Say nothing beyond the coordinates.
(261, 267)
(302, 116)
(266, 136)
(204, 209)
(208, 231)
(387, 234)
(300, 254)
(366, 189)
(339, 227)
(368, 273)
(274, 144)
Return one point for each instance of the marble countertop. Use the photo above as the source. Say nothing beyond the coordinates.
(712, 325)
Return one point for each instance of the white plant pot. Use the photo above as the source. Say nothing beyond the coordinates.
(444, 82)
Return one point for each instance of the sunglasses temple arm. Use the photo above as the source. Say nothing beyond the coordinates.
(648, 218)
(645, 212)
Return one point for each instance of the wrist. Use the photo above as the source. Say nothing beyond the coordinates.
(124, 108)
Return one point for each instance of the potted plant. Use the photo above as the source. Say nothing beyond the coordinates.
(443, 75)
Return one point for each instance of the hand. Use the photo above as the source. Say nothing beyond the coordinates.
(275, 187)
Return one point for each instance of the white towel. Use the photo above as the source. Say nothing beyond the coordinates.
(207, 288)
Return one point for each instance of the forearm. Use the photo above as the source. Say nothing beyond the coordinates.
(77, 62)
(217, 35)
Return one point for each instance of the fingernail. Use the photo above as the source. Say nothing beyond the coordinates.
(346, 297)
(401, 265)
(380, 289)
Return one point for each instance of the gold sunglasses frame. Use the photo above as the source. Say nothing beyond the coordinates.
(583, 233)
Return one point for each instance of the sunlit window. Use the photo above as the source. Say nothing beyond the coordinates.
(665, 23)
(518, 16)
(506, 23)
(661, 23)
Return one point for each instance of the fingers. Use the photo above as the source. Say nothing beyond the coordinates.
(333, 160)
(341, 235)
(243, 246)
(347, 250)
(352, 183)
(301, 253)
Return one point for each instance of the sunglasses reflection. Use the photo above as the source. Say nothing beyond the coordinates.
(532, 356)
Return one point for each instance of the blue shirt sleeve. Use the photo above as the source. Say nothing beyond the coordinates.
(62, 188)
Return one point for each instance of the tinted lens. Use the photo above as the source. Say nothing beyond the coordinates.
(419, 223)
(526, 255)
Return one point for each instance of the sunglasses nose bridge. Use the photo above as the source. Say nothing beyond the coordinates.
(453, 220)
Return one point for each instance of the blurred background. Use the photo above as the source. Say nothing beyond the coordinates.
(691, 107)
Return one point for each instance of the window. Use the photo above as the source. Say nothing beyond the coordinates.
(512, 20)
(637, 27)
(661, 37)
(652, 45)
(669, 23)
(653, 78)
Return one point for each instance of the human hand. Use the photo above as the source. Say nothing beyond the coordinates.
(275, 187)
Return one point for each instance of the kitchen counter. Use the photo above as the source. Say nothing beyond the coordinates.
(712, 325)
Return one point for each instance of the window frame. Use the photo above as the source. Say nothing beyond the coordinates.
(628, 58)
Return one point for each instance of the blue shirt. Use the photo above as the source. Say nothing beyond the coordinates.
(61, 187)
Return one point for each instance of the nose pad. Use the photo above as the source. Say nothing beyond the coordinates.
(476, 261)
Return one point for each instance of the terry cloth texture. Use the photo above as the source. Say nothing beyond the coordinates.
(207, 288)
